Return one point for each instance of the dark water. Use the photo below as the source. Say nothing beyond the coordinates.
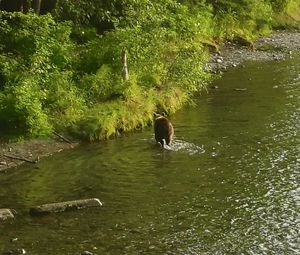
(229, 185)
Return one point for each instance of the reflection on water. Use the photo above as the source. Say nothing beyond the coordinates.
(228, 184)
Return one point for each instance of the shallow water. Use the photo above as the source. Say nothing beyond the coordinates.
(228, 185)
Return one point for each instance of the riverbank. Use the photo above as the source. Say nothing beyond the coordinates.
(272, 47)
(15, 154)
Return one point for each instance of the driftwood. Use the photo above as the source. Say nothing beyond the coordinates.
(6, 214)
(64, 206)
(63, 138)
(36, 4)
(124, 63)
(21, 158)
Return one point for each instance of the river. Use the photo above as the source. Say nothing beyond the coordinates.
(229, 184)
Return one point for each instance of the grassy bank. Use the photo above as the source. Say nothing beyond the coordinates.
(64, 71)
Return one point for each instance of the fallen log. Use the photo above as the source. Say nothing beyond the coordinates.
(6, 214)
(21, 158)
(62, 137)
(64, 206)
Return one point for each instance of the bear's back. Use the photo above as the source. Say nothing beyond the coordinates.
(163, 129)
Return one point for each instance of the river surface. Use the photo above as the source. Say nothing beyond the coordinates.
(229, 184)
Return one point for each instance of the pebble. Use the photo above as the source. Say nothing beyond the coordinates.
(3, 163)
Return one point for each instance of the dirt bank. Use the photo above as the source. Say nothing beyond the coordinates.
(276, 46)
(14, 154)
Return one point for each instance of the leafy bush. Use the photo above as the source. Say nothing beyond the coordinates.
(33, 48)
(65, 71)
(61, 99)
(21, 110)
(103, 85)
(246, 19)
(287, 13)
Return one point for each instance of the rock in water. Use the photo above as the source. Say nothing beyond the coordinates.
(6, 214)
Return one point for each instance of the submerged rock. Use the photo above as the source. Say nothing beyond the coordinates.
(86, 253)
(240, 89)
(6, 214)
(15, 252)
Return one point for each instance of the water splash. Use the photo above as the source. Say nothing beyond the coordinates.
(184, 146)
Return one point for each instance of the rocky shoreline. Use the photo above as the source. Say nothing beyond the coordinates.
(272, 47)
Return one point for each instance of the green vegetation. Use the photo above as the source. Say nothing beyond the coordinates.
(63, 70)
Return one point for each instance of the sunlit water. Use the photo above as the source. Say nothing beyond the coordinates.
(229, 184)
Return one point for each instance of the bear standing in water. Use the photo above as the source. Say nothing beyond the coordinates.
(163, 130)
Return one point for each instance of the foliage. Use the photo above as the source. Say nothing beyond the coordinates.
(33, 48)
(287, 14)
(21, 109)
(64, 70)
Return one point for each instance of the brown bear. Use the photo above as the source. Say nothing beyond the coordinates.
(163, 130)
